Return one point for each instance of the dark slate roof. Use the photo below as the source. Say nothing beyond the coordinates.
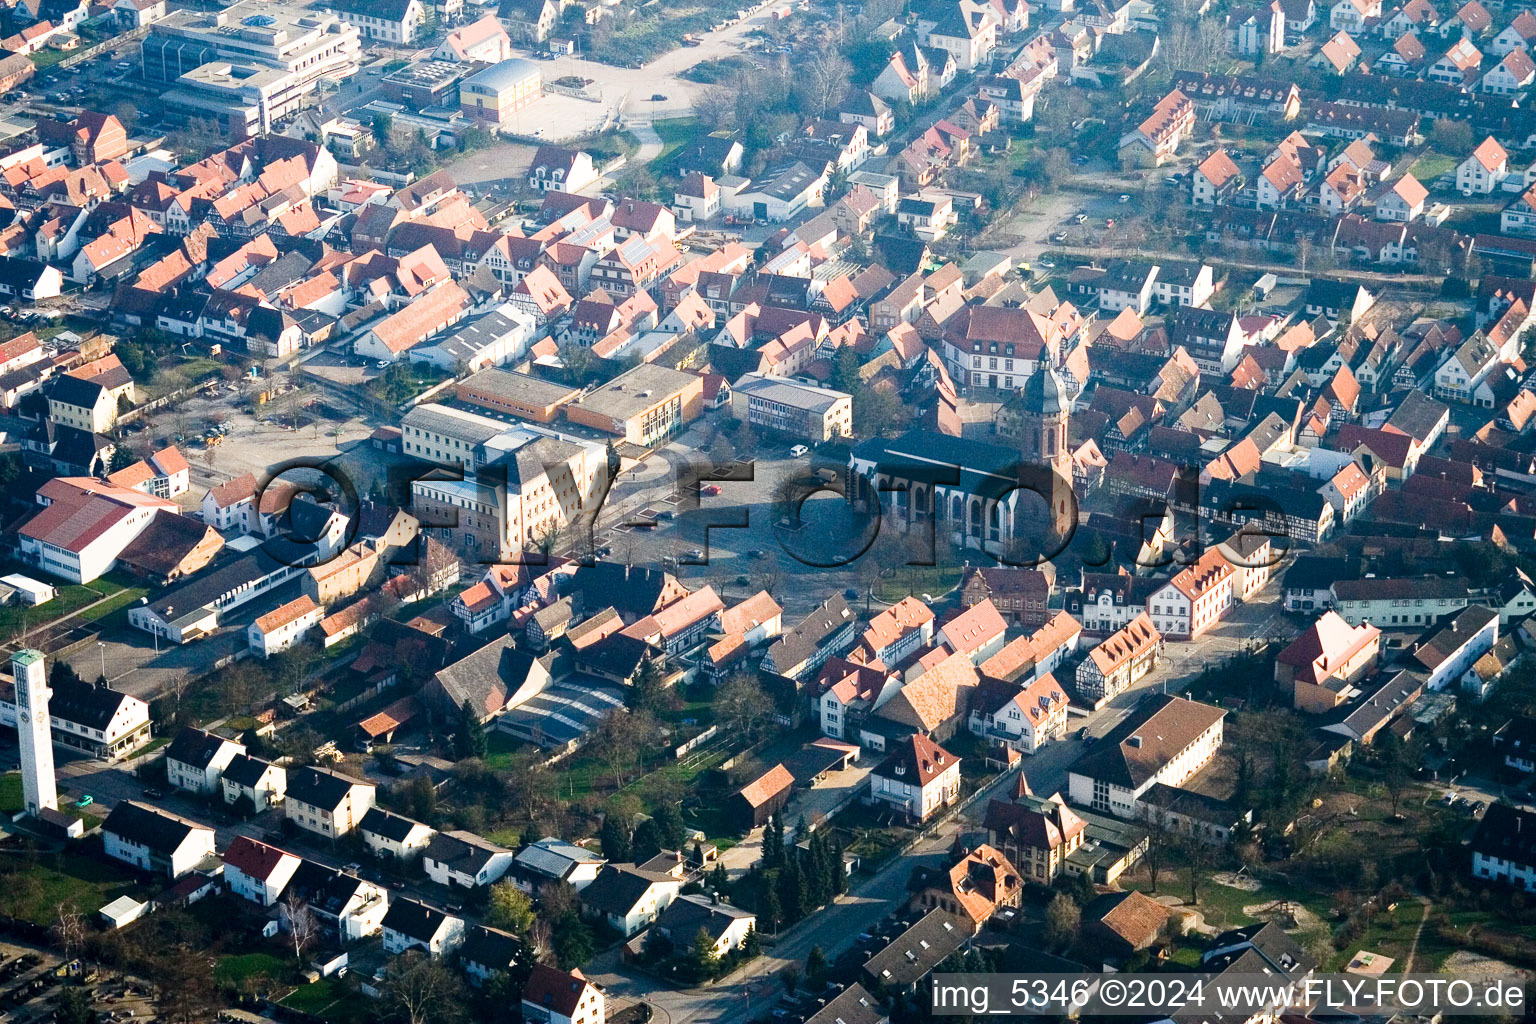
(75, 391)
(617, 889)
(394, 827)
(918, 950)
(491, 948)
(413, 920)
(85, 704)
(487, 676)
(20, 274)
(320, 787)
(1316, 572)
(194, 747)
(1265, 938)
(160, 831)
(246, 770)
(687, 914)
(853, 1005)
(798, 644)
(633, 590)
(1507, 832)
(462, 852)
(326, 890)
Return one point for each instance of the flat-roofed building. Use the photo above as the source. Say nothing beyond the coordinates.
(516, 394)
(535, 485)
(496, 94)
(424, 83)
(250, 64)
(643, 406)
(807, 413)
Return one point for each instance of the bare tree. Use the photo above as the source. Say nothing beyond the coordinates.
(741, 705)
(715, 106)
(69, 930)
(1159, 839)
(825, 73)
(1198, 855)
(177, 686)
(300, 922)
(538, 939)
(422, 989)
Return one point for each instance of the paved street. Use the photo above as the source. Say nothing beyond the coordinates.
(837, 928)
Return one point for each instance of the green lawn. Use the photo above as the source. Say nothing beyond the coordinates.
(10, 792)
(1431, 165)
(232, 970)
(332, 1000)
(1390, 934)
(47, 58)
(116, 603)
(71, 599)
(917, 580)
(675, 133)
(71, 877)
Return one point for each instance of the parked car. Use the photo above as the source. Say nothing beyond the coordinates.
(709, 490)
(797, 451)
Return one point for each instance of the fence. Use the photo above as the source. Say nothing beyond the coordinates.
(696, 742)
(145, 408)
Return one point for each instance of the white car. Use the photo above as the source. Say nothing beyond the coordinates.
(797, 451)
(1125, 197)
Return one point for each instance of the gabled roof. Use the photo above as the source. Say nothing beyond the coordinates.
(321, 787)
(160, 831)
(1160, 727)
(195, 747)
(414, 920)
(254, 859)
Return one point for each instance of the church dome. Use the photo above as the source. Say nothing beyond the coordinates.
(1043, 392)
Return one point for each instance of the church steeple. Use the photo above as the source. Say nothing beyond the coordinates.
(1044, 411)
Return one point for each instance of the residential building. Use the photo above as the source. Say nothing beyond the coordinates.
(411, 925)
(1165, 739)
(326, 802)
(628, 898)
(1323, 664)
(1120, 661)
(156, 841)
(1026, 718)
(195, 760)
(553, 996)
(95, 719)
(257, 872)
(1484, 171)
(284, 626)
(463, 859)
(248, 778)
(1450, 651)
(1195, 599)
(918, 777)
(1504, 846)
(391, 835)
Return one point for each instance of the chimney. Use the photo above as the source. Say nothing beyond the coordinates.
(1134, 741)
